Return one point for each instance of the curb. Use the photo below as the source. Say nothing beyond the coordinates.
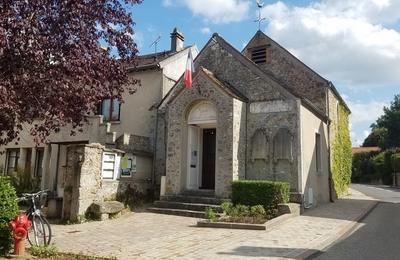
(267, 226)
(339, 236)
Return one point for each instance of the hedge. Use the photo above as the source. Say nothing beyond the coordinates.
(260, 192)
(373, 167)
(8, 211)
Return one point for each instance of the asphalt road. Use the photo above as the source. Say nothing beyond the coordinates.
(377, 236)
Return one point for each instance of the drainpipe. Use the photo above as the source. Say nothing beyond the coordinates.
(153, 174)
(57, 167)
(330, 183)
(246, 143)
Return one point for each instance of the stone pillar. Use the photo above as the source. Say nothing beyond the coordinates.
(22, 159)
(82, 179)
(33, 161)
(45, 165)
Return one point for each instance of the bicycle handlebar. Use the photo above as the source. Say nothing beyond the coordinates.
(25, 195)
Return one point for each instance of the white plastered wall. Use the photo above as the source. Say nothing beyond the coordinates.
(317, 181)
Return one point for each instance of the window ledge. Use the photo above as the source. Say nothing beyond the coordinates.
(113, 122)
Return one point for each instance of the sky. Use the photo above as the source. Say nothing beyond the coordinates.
(353, 43)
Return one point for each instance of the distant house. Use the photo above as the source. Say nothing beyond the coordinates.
(356, 150)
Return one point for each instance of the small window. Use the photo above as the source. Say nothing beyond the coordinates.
(259, 55)
(110, 109)
(12, 160)
(318, 152)
(39, 163)
(108, 166)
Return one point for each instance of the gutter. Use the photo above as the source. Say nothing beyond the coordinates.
(330, 182)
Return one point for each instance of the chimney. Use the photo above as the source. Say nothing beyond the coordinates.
(176, 40)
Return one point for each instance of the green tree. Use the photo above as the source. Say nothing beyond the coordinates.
(376, 138)
(390, 121)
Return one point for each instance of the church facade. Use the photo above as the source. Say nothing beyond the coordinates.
(257, 114)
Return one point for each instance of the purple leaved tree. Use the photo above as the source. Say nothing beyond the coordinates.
(59, 59)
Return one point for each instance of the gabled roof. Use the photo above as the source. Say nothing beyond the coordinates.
(150, 61)
(224, 86)
(256, 69)
(235, 53)
(263, 74)
(328, 83)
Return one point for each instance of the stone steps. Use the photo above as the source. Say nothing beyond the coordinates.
(189, 204)
(178, 212)
(193, 199)
(186, 206)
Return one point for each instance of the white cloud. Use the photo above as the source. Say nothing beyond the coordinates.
(205, 30)
(363, 114)
(167, 2)
(216, 11)
(347, 41)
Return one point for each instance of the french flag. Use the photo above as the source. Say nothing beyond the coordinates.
(187, 79)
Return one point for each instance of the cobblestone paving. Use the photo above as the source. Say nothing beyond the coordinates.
(153, 236)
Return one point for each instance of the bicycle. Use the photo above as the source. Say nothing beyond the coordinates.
(40, 232)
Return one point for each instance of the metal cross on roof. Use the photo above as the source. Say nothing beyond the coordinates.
(260, 19)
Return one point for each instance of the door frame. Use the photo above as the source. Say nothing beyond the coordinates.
(199, 161)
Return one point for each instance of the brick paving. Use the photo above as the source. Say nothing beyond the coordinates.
(152, 236)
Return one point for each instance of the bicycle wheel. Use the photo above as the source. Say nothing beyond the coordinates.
(47, 229)
(40, 232)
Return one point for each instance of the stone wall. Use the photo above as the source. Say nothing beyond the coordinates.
(230, 70)
(265, 166)
(135, 144)
(160, 153)
(292, 72)
(239, 139)
(83, 183)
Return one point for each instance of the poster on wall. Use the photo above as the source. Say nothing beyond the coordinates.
(128, 166)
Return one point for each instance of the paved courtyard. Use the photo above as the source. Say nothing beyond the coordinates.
(152, 236)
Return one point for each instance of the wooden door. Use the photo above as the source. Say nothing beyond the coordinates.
(208, 169)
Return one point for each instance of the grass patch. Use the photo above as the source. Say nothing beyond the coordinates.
(51, 252)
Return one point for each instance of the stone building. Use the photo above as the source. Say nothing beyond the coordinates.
(256, 114)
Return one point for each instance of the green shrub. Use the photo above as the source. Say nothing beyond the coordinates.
(266, 193)
(43, 251)
(8, 211)
(210, 214)
(227, 207)
(373, 167)
(241, 210)
(363, 170)
(257, 211)
(243, 214)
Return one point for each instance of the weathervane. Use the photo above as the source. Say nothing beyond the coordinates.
(259, 20)
(155, 42)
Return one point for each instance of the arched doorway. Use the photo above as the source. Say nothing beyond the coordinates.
(201, 152)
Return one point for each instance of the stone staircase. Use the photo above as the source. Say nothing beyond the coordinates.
(188, 204)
